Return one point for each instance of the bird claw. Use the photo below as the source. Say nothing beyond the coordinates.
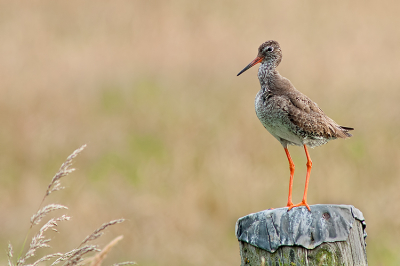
(290, 205)
(303, 203)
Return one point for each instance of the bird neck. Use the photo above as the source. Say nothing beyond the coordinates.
(266, 73)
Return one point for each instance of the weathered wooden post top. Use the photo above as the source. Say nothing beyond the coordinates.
(328, 235)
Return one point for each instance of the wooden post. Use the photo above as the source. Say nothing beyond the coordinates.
(328, 235)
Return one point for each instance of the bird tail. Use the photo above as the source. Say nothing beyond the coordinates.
(345, 131)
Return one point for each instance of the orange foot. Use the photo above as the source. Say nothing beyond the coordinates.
(290, 205)
(303, 203)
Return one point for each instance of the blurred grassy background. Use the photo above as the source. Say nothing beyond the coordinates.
(174, 145)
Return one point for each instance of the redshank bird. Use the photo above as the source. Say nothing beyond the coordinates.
(290, 116)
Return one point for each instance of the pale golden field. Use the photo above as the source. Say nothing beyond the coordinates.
(174, 145)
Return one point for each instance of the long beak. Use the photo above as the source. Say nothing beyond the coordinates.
(254, 62)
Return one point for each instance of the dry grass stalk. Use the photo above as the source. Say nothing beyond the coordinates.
(63, 171)
(96, 260)
(39, 240)
(10, 254)
(99, 231)
(75, 256)
(36, 218)
(125, 263)
(53, 186)
(99, 258)
(46, 258)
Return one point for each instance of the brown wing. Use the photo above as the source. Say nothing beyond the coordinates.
(306, 114)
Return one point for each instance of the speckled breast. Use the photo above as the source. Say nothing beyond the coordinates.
(271, 112)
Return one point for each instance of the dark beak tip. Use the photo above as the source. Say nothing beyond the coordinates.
(255, 61)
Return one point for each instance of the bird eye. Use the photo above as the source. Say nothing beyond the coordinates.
(270, 49)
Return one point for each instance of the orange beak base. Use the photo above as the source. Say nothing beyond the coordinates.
(254, 62)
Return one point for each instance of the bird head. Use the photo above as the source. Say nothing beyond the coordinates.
(269, 53)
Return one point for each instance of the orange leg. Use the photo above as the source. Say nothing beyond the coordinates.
(291, 167)
(309, 165)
